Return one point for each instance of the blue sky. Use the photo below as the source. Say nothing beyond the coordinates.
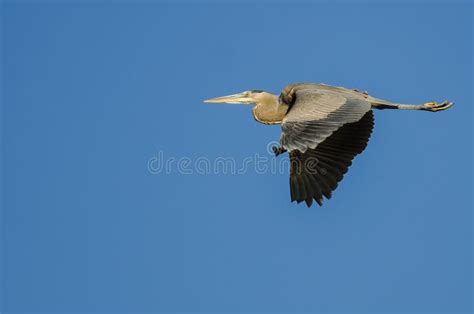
(93, 91)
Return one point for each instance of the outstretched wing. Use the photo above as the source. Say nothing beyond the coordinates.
(314, 114)
(316, 172)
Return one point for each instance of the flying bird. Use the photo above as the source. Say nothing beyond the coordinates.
(322, 128)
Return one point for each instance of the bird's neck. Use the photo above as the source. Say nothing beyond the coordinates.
(269, 110)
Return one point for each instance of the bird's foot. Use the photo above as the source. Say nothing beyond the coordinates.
(278, 150)
(434, 106)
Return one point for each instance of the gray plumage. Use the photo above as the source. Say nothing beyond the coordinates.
(323, 128)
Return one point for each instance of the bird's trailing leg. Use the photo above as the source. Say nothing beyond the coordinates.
(278, 150)
(434, 106)
(429, 106)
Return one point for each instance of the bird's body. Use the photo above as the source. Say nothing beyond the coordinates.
(323, 128)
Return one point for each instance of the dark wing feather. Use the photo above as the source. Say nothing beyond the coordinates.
(314, 114)
(316, 172)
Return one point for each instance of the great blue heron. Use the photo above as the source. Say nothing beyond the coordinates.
(323, 128)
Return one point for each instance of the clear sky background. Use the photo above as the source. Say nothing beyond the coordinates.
(93, 91)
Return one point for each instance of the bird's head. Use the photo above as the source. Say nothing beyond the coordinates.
(267, 108)
(246, 97)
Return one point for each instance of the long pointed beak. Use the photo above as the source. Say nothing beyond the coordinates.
(232, 99)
